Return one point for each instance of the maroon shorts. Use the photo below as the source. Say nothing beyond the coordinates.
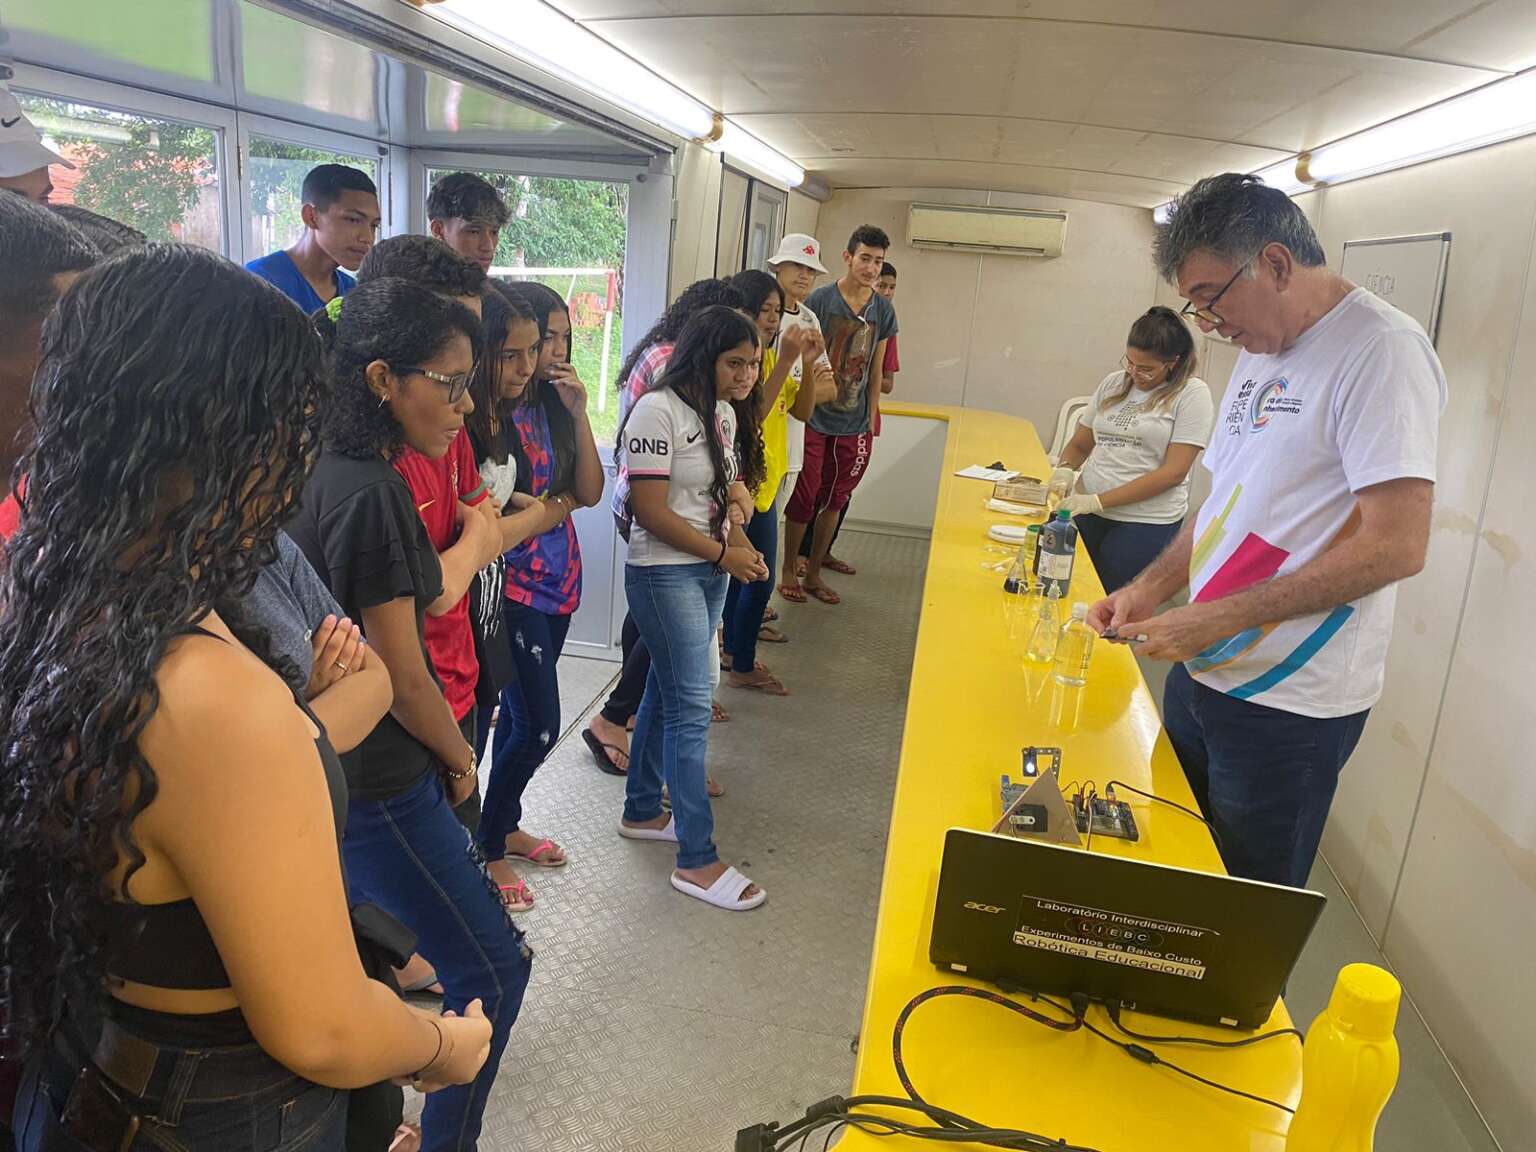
(832, 469)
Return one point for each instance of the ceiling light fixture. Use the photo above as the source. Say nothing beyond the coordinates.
(535, 32)
(738, 142)
(1487, 115)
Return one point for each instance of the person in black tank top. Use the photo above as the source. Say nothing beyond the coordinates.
(182, 967)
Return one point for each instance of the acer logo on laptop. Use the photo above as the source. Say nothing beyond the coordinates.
(989, 909)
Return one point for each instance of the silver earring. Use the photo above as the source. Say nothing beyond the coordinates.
(383, 400)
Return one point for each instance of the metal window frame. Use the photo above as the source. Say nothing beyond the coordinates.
(49, 82)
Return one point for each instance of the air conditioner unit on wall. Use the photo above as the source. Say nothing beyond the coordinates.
(1005, 231)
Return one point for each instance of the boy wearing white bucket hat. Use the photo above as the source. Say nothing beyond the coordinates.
(24, 158)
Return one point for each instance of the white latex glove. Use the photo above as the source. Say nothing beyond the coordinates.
(1062, 472)
(1082, 504)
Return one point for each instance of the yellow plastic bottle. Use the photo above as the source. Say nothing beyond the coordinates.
(1348, 1064)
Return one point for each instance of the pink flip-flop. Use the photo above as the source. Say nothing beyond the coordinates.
(544, 847)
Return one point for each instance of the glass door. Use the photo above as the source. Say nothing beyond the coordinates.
(765, 223)
(275, 157)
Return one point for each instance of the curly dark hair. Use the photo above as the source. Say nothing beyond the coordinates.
(499, 310)
(36, 246)
(691, 374)
(699, 294)
(110, 236)
(161, 472)
(399, 322)
(426, 260)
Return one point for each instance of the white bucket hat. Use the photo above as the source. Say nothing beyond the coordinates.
(799, 248)
(21, 145)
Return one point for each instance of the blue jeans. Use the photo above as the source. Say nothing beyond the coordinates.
(675, 606)
(201, 1110)
(411, 857)
(529, 724)
(1264, 778)
(744, 603)
(1120, 550)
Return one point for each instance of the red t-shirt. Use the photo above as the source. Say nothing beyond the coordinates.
(891, 366)
(10, 517)
(437, 486)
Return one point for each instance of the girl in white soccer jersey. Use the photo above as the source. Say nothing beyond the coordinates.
(678, 457)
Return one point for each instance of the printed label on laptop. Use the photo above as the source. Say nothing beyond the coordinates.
(1113, 937)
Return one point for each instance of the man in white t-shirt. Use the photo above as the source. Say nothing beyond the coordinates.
(1322, 468)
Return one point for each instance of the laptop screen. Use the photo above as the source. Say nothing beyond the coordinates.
(1156, 938)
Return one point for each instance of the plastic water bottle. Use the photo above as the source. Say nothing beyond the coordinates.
(1074, 648)
(1058, 550)
(1042, 641)
(1348, 1064)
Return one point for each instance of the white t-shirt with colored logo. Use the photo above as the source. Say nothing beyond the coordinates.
(1356, 401)
(1131, 436)
(664, 439)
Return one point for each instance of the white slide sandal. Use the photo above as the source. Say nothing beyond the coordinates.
(667, 832)
(724, 892)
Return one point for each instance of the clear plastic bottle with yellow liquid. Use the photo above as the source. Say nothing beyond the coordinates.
(1348, 1064)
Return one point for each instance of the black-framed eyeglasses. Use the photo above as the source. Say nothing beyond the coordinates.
(1207, 314)
(457, 384)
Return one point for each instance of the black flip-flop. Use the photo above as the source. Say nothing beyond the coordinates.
(600, 753)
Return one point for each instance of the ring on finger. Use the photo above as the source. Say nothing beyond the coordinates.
(342, 666)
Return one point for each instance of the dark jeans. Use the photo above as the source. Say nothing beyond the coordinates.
(529, 724)
(805, 545)
(201, 1110)
(744, 603)
(1120, 550)
(411, 857)
(623, 703)
(1264, 778)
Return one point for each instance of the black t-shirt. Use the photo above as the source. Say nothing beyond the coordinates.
(358, 527)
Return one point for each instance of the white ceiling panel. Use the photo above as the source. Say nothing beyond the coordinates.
(1009, 141)
(1109, 98)
(848, 172)
(1455, 31)
(1117, 77)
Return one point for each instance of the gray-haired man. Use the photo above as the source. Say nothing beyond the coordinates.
(1322, 470)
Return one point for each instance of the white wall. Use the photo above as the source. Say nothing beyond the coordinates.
(802, 215)
(1433, 829)
(697, 171)
(1011, 333)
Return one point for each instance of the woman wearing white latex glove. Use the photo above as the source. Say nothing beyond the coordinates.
(1135, 445)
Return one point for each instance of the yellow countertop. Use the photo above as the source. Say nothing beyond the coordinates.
(973, 703)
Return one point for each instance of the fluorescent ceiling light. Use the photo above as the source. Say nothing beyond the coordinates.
(1283, 177)
(1495, 112)
(738, 142)
(533, 31)
(1162, 213)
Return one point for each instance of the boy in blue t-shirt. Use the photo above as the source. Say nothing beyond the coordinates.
(341, 221)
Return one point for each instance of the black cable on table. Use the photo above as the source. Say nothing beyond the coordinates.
(1215, 836)
(1114, 1008)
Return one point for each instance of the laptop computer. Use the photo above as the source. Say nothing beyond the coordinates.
(1159, 939)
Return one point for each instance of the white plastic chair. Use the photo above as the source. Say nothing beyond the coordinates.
(1066, 424)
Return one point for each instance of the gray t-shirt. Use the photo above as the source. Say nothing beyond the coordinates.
(851, 342)
(290, 601)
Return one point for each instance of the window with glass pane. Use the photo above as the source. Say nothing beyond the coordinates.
(160, 176)
(570, 235)
(276, 171)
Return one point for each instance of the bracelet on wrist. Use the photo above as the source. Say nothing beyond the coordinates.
(430, 1064)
